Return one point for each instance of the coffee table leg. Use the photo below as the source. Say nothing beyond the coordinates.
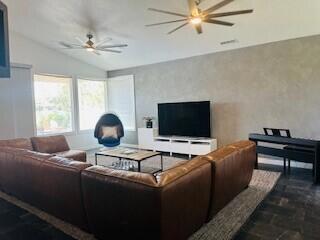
(96, 159)
(161, 162)
(139, 166)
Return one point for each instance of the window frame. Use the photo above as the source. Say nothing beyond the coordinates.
(77, 78)
(72, 94)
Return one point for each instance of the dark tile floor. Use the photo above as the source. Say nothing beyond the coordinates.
(291, 211)
(18, 224)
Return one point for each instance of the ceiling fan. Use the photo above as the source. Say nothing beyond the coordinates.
(197, 16)
(90, 46)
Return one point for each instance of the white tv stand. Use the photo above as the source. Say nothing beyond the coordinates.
(150, 140)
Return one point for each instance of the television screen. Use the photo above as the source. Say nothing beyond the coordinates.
(4, 42)
(190, 119)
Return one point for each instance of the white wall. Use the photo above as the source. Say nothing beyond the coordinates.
(43, 60)
(16, 94)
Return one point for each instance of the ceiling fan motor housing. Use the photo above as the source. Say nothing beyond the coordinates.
(89, 43)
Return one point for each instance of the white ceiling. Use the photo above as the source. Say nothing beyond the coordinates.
(50, 21)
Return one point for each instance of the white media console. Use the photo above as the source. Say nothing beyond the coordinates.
(149, 139)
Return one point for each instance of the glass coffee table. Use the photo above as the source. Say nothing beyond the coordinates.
(126, 156)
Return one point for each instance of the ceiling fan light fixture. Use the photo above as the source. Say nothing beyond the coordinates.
(90, 49)
(196, 20)
(197, 15)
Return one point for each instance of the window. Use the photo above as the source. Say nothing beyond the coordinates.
(92, 102)
(121, 100)
(53, 104)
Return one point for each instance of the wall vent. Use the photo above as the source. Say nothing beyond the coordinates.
(229, 42)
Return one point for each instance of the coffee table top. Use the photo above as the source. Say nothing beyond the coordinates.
(130, 154)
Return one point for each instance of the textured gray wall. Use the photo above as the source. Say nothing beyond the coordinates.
(273, 85)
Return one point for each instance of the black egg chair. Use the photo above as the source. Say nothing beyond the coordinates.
(109, 130)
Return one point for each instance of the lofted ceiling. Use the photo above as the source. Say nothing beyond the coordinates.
(51, 21)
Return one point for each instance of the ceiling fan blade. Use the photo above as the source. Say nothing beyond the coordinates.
(193, 8)
(103, 41)
(113, 46)
(109, 50)
(74, 48)
(218, 22)
(167, 12)
(69, 45)
(217, 6)
(156, 24)
(181, 26)
(97, 53)
(215, 15)
(198, 28)
(80, 41)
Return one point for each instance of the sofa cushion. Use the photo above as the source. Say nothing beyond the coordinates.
(51, 144)
(76, 155)
(65, 162)
(108, 132)
(21, 143)
(180, 170)
(135, 177)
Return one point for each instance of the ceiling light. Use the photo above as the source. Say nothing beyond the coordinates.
(196, 20)
(90, 49)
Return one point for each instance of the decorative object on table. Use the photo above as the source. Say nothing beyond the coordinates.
(109, 130)
(149, 121)
(123, 165)
(196, 16)
(129, 151)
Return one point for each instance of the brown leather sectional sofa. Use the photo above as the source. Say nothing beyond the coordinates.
(114, 204)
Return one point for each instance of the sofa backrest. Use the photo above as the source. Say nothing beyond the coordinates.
(232, 168)
(12, 168)
(50, 183)
(50, 144)
(139, 205)
(21, 143)
(185, 198)
(61, 190)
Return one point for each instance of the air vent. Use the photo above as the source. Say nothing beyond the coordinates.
(229, 42)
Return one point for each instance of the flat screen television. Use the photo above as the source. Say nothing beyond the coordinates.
(4, 42)
(190, 119)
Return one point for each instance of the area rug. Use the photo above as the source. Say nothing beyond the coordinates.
(224, 226)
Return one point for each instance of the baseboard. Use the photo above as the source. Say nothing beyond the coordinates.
(278, 162)
(96, 146)
(129, 145)
(89, 147)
